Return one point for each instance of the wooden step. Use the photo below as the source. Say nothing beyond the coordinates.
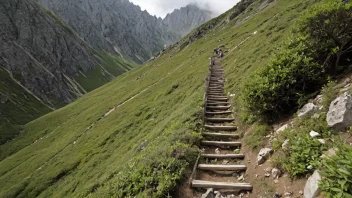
(209, 102)
(219, 113)
(220, 128)
(221, 185)
(219, 107)
(223, 156)
(220, 119)
(228, 135)
(220, 167)
(221, 97)
(217, 99)
(221, 143)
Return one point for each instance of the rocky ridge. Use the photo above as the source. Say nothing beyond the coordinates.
(122, 28)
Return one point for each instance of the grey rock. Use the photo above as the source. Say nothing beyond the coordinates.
(340, 112)
(142, 146)
(311, 189)
(276, 173)
(307, 110)
(285, 144)
(282, 128)
(263, 155)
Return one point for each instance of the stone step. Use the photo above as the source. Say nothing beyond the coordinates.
(225, 135)
(221, 185)
(223, 156)
(219, 113)
(220, 119)
(221, 143)
(220, 167)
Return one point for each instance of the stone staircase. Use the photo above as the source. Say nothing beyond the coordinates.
(219, 167)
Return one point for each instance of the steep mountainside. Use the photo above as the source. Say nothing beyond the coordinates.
(43, 62)
(117, 26)
(182, 21)
(120, 27)
(137, 134)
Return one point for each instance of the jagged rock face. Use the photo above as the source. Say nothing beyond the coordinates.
(120, 27)
(116, 26)
(183, 21)
(40, 54)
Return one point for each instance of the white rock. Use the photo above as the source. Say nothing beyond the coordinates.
(241, 178)
(301, 192)
(282, 128)
(307, 110)
(267, 174)
(276, 173)
(285, 144)
(311, 190)
(314, 134)
(263, 155)
(208, 194)
(329, 153)
(340, 112)
(322, 141)
(217, 151)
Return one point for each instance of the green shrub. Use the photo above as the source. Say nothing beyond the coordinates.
(302, 151)
(255, 138)
(329, 94)
(337, 173)
(320, 42)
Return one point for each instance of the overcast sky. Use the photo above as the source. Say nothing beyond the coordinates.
(161, 7)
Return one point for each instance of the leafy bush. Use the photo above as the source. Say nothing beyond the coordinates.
(155, 171)
(329, 94)
(320, 42)
(255, 138)
(302, 151)
(337, 173)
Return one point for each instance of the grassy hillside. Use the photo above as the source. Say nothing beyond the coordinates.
(77, 151)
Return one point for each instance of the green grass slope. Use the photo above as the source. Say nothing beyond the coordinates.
(76, 151)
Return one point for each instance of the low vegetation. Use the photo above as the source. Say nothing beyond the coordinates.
(316, 49)
(77, 152)
(336, 173)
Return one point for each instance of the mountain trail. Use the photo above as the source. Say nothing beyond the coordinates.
(219, 168)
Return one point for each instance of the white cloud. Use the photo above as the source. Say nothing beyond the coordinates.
(161, 7)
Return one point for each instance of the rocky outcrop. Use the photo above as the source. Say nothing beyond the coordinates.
(183, 21)
(340, 112)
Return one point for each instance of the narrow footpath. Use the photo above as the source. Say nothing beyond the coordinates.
(220, 167)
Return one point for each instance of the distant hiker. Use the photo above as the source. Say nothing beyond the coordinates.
(221, 54)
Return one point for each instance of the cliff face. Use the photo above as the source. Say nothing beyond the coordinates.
(182, 21)
(43, 58)
(116, 26)
(120, 27)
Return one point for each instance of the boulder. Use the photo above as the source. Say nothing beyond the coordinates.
(311, 190)
(263, 155)
(307, 110)
(340, 112)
